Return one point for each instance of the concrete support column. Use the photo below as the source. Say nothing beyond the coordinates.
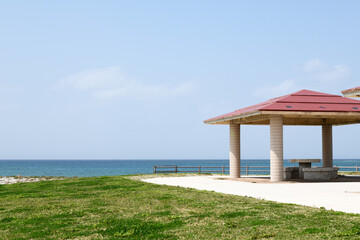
(234, 150)
(276, 148)
(327, 146)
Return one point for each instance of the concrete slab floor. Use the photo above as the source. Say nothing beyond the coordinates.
(341, 195)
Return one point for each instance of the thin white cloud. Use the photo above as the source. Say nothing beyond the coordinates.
(279, 89)
(109, 83)
(313, 74)
(10, 89)
(322, 72)
(314, 65)
(336, 73)
(145, 91)
(100, 78)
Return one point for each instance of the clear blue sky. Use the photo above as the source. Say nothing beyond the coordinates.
(135, 79)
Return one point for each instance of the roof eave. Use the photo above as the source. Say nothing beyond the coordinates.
(258, 117)
(228, 119)
(352, 94)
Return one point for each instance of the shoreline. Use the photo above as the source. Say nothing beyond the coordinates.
(21, 179)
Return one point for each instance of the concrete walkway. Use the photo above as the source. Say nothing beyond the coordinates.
(339, 196)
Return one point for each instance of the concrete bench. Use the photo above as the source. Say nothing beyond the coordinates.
(304, 163)
(320, 173)
(290, 172)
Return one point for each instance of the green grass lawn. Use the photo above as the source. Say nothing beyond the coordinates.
(121, 208)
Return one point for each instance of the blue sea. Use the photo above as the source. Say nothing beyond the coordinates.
(88, 168)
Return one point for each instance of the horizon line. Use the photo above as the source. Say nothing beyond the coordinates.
(147, 159)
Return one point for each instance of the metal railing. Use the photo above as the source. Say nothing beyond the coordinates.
(357, 168)
(247, 170)
(206, 169)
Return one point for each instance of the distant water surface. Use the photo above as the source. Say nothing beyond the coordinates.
(88, 168)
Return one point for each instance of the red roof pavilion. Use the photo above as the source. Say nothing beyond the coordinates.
(300, 108)
(304, 107)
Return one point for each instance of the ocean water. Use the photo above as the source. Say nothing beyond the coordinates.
(88, 168)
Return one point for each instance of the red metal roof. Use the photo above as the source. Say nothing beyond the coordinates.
(301, 101)
(350, 90)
